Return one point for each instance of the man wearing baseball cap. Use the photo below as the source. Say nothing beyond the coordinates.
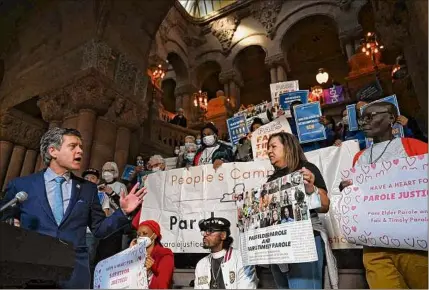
(223, 267)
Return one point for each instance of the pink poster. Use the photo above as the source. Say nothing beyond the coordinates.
(387, 205)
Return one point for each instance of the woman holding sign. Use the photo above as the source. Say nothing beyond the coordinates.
(287, 156)
(159, 260)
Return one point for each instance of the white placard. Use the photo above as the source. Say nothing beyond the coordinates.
(387, 205)
(125, 270)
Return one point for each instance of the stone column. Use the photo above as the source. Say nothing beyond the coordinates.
(349, 49)
(276, 65)
(273, 75)
(103, 148)
(29, 162)
(6, 148)
(232, 82)
(70, 121)
(85, 124)
(39, 163)
(123, 138)
(281, 74)
(226, 89)
(15, 165)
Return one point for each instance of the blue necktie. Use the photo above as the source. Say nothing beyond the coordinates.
(58, 209)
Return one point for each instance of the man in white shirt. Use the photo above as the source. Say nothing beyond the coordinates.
(223, 267)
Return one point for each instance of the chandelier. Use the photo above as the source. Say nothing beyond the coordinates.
(201, 100)
(158, 73)
(370, 45)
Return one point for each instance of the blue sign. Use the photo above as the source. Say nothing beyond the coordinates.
(397, 129)
(287, 98)
(128, 172)
(237, 128)
(351, 116)
(309, 128)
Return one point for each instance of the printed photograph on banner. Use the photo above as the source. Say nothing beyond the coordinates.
(280, 88)
(262, 111)
(386, 198)
(279, 230)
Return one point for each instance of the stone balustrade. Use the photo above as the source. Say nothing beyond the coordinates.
(164, 137)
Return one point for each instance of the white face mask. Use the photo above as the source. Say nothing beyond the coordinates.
(209, 140)
(108, 176)
(198, 141)
(176, 151)
(345, 120)
(155, 169)
(190, 156)
(145, 240)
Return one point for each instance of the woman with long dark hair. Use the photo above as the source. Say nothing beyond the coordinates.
(287, 156)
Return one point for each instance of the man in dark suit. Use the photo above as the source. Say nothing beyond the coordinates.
(62, 205)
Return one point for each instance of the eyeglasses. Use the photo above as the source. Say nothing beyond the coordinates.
(369, 117)
(209, 232)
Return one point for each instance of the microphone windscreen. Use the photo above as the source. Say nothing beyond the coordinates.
(21, 196)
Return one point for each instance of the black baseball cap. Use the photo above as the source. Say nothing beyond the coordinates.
(91, 171)
(215, 224)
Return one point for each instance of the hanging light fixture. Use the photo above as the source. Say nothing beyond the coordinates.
(201, 100)
(322, 76)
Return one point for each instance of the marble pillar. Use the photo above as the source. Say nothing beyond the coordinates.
(103, 148)
(123, 138)
(233, 93)
(85, 125)
(6, 149)
(273, 75)
(29, 162)
(349, 49)
(226, 89)
(15, 164)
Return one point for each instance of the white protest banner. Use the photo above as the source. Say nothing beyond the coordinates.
(331, 161)
(261, 135)
(387, 204)
(275, 225)
(179, 198)
(125, 270)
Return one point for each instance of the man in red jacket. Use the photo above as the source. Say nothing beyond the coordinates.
(159, 260)
(385, 267)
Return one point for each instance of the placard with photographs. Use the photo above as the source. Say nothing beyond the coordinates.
(262, 111)
(274, 222)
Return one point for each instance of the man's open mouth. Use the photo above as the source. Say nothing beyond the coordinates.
(78, 159)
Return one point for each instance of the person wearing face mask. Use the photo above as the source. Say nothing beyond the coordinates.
(112, 188)
(159, 260)
(181, 158)
(189, 155)
(212, 151)
(156, 163)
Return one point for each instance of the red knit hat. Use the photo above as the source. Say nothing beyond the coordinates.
(153, 225)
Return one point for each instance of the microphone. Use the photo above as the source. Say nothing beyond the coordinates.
(19, 197)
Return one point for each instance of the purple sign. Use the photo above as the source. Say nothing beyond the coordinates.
(333, 95)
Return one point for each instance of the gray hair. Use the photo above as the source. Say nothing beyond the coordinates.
(191, 146)
(190, 137)
(114, 166)
(54, 138)
(157, 157)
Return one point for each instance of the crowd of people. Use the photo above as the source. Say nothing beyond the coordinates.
(106, 204)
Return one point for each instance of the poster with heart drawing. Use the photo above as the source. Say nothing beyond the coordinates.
(125, 270)
(387, 204)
